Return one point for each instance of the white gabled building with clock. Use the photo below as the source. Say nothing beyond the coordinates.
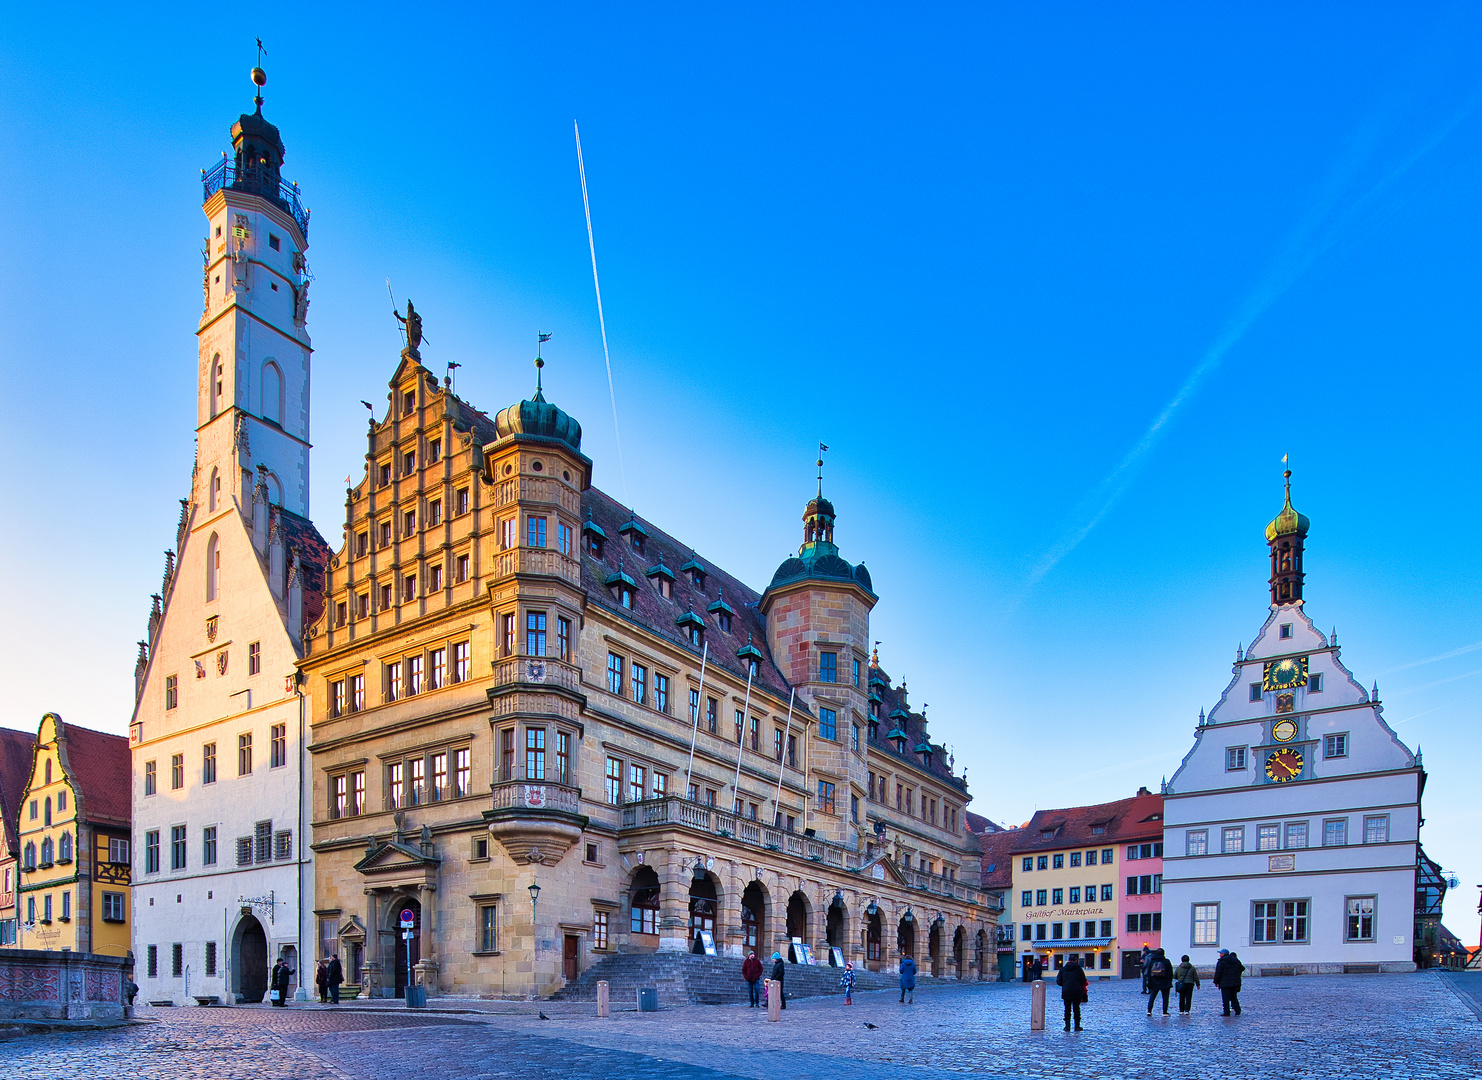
(1292, 828)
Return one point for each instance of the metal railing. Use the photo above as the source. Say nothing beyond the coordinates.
(225, 174)
(537, 795)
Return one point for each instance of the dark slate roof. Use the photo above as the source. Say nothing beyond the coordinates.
(997, 860)
(100, 770)
(16, 751)
(657, 615)
(896, 715)
(313, 554)
(1137, 818)
(467, 418)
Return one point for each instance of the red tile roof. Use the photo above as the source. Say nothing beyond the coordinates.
(100, 769)
(998, 863)
(16, 751)
(1137, 818)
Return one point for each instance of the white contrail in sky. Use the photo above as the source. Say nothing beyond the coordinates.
(1319, 233)
(1434, 659)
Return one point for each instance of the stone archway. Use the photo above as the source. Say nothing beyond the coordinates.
(980, 951)
(934, 948)
(798, 912)
(754, 916)
(643, 902)
(249, 960)
(835, 920)
(407, 953)
(959, 953)
(873, 950)
(905, 935)
(704, 907)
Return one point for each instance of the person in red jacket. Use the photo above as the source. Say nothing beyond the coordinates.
(751, 971)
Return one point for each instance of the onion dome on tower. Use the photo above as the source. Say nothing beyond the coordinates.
(818, 557)
(1287, 536)
(537, 418)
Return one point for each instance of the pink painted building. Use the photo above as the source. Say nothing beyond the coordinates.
(1140, 837)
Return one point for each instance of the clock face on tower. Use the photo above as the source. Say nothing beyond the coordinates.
(1284, 730)
(1283, 765)
(1285, 674)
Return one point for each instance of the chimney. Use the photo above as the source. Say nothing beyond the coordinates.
(277, 555)
(260, 511)
(1143, 791)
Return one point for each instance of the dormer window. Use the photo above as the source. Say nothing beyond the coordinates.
(622, 587)
(1098, 830)
(635, 533)
(750, 655)
(692, 627)
(723, 613)
(593, 537)
(663, 579)
(696, 570)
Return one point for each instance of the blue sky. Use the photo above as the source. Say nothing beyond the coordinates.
(1058, 287)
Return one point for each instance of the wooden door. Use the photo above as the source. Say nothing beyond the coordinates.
(568, 957)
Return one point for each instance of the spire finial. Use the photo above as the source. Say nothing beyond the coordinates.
(259, 76)
(822, 449)
(541, 339)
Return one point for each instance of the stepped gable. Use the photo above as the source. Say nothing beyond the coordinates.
(997, 861)
(313, 554)
(1088, 826)
(100, 767)
(658, 615)
(893, 700)
(17, 749)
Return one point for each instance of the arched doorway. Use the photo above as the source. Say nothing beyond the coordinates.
(797, 918)
(644, 905)
(980, 953)
(250, 960)
(703, 907)
(934, 948)
(753, 916)
(872, 940)
(959, 953)
(406, 957)
(834, 921)
(905, 935)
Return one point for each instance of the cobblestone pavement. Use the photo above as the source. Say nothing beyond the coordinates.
(1397, 1027)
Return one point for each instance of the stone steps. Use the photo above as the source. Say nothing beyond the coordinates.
(686, 979)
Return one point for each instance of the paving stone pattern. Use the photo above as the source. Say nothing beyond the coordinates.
(1388, 1027)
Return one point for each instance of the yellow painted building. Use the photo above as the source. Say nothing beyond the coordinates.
(73, 839)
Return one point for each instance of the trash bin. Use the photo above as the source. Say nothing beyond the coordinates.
(648, 999)
(416, 997)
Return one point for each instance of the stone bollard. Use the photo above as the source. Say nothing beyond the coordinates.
(774, 1000)
(1037, 1005)
(602, 1006)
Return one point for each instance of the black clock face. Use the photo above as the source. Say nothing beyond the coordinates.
(1285, 674)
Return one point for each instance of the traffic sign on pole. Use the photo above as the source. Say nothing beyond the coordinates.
(408, 918)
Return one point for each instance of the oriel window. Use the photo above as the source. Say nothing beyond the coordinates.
(534, 633)
(535, 753)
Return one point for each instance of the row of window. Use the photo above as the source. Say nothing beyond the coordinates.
(177, 960)
(1290, 835)
(639, 783)
(1077, 858)
(1049, 897)
(1287, 922)
(112, 908)
(277, 758)
(400, 589)
(41, 808)
(431, 455)
(263, 846)
(384, 532)
(556, 766)
(432, 669)
(1065, 931)
(1333, 746)
(50, 853)
(223, 663)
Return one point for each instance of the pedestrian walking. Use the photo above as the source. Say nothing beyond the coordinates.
(1073, 990)
(779, 976)
(751, 971)
(1186, 979)
(321, 980)
(336, 975)
(1227, 971)
(1160, 979)
(846, 980)
(1036, 969)
(1142, 965)
(908, 980)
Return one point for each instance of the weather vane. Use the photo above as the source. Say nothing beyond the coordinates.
(259, 76)
(822, 449)
(541, 339)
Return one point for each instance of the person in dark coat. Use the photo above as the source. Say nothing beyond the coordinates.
(1072, 983)
(321, 980)
(1036, 969)
(751, 971)
(1160, 979)
(1186, 980)
(336, 976)
(908, 980)
(279, 981)
(779, 974)
(1142, 966)
(1227, 972)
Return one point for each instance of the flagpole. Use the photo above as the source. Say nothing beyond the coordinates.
(777, 802)
(695, 732)
(741, 735)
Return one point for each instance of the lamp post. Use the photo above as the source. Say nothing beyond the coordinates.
(534, 925)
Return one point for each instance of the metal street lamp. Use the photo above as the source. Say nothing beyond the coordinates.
(534, 927)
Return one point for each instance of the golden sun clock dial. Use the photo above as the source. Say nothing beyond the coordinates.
(1287, 673)
(1284, 730)
(1284, 764)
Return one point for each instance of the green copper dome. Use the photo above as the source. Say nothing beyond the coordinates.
(1288, 522)
(539, 419)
